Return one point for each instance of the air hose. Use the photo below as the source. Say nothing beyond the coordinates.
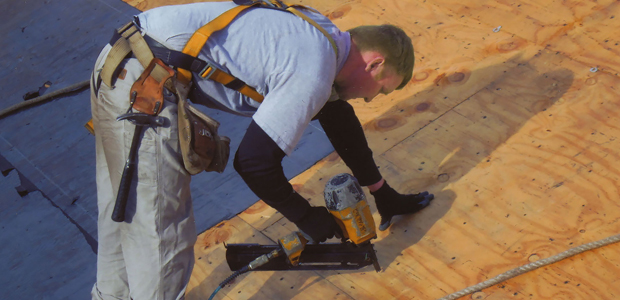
(62, 92)
(229, 279)
(261, 260)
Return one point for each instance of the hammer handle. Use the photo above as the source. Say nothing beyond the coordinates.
(118, 214)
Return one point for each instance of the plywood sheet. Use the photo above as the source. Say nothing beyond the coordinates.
(511, 130)
(594, 41)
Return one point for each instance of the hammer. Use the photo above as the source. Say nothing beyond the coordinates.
(140, 120)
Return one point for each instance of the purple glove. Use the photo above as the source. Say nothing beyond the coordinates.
(390, 203)
(319, 224)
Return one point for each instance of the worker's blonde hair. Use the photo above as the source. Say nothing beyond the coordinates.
(392, 42)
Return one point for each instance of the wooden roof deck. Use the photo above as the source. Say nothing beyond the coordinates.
(512, 129)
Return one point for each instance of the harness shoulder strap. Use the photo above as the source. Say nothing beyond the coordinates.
(200, 37)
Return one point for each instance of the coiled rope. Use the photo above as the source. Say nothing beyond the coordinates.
(532, 266)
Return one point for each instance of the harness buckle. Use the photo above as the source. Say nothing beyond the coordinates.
(281, 4)
(268, 3)
(273, 3)
(205, 73)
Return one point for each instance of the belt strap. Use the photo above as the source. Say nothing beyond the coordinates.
(128, 39)
(131, 41)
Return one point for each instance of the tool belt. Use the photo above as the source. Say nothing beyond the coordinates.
(202, 148)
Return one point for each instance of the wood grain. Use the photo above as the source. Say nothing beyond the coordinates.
(511, 131)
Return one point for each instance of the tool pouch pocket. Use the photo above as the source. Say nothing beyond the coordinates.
(146, 93)
(201, 146)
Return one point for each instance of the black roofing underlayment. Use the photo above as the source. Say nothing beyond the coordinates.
(47, 158)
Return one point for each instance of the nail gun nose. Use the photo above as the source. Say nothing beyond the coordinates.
(142, 119)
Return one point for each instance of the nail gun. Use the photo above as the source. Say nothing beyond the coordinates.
(345, 200)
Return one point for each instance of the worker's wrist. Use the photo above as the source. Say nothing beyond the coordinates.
(384, 192)
(374, 187)
(367, 173)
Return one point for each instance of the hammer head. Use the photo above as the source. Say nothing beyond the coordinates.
(142, 119)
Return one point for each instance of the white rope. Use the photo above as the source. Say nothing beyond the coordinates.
(532, 266)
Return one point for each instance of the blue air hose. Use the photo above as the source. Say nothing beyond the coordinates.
(261, 260)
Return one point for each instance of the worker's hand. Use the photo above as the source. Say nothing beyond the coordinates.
(390, 203)
(319, 224)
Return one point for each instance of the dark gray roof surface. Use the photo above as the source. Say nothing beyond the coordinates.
(47, 191)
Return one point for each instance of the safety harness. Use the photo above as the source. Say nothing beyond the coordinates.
(201, 146)
(200, 37)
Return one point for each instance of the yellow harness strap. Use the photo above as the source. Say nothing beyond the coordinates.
(200, 37)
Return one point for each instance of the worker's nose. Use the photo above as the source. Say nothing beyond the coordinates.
(368, 99)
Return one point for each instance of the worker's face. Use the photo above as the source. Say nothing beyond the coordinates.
(375, 79)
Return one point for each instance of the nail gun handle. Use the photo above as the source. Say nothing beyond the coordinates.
(118, 214)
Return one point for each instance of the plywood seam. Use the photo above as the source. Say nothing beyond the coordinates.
(275, 220)
(452, 109)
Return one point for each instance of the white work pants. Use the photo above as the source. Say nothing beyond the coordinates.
(150, 256)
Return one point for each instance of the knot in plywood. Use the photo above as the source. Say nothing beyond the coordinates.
(507, 45)
(256, 208)
(420, 76)
(424, 106)
(443, 177)
(456, 77)
(591, 81)
(217, 235)
(339, 12)
(388, 123)
(510, 45)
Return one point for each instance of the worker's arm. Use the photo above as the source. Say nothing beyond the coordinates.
(346, 134)
(259, 162)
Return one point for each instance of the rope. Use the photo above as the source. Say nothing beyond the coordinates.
(532, 266)
(70, 89)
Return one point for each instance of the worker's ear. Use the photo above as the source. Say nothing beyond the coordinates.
(375, 65)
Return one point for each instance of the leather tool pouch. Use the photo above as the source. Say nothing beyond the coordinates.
(147, 93)
(201, 146)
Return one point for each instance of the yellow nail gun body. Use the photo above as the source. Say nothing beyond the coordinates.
(346, 201)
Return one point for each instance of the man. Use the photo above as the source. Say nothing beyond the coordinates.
(294, 66)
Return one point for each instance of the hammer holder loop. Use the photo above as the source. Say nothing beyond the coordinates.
(149, 88)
